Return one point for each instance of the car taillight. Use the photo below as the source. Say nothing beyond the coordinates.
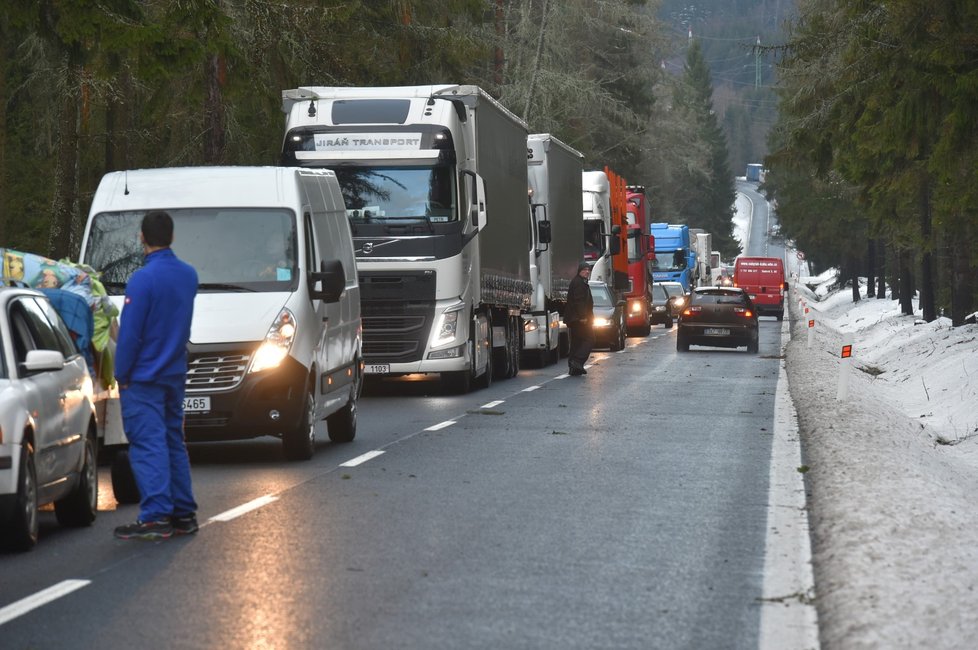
(746, 313)
(689, 311)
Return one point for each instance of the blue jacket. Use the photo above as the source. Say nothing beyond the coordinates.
(155, 325)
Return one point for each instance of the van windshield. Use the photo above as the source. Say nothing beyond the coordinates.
(232, 249)
(389, 194)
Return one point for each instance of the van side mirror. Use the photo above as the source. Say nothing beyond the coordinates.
(331, 281)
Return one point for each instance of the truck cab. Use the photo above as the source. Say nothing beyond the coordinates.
(641, 251)
(674, 257)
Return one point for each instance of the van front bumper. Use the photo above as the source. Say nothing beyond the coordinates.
(264, 403)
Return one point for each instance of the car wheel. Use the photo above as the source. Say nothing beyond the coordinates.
(682, 343)
(668, 323)
(123, 481)
(80, 506)
(300, 442)
(754, 344)
(342, 425)
(20, 533)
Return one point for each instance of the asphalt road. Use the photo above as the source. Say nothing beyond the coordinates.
(624, 509)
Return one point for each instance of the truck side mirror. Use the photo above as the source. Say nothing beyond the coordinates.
(614, 246)
(544, 232)
(477, 203)
(331, 280)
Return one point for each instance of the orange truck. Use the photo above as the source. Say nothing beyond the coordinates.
(764, 280)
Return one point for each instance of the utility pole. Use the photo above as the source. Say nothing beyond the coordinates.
(757, 63)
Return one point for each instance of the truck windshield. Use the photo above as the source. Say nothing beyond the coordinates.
(379, 194)
(670, 260)
(232, 249)
(593, 239)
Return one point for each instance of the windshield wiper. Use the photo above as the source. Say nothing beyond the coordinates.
(220, 286)
(419, 217)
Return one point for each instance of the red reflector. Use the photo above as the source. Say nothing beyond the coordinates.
(846, 351)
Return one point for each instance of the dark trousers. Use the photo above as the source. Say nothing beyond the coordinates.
(581, 342)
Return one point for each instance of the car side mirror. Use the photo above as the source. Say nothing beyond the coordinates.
(43, 361)
(331, 281)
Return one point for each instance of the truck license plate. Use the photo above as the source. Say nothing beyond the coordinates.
(201, 404)
(377, 368)
(716, 331)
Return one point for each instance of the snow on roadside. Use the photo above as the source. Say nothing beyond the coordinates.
(894, 527)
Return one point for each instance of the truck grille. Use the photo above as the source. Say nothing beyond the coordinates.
(213, 371)
(396, 312)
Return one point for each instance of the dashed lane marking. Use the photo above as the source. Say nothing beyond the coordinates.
(233, 513)
(43, 597)
(440, 425)
(362, 458)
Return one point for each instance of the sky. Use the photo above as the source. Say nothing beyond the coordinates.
(890, 450)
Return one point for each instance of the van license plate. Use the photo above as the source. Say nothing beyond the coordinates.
(197, 404)
(377, 368)
(716, 331)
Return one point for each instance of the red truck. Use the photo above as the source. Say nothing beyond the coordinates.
(764, 280)
(641, 250)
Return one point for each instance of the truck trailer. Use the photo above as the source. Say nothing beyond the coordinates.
(435, 184)
(554, 174)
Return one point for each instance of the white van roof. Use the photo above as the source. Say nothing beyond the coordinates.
(201, 187)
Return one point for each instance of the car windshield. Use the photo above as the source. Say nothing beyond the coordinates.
(386, 194)
(232, 249)
(674, 289)
(659, 293)
(601, 295)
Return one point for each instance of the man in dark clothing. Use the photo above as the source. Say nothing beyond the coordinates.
(579, 316)
(151, 368)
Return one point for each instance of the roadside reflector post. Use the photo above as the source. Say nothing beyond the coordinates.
(844, 367)
(811, 330)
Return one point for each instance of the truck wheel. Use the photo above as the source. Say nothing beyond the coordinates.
(79, 507)
(300, 442)
(123, 482)
(20, 532)
(485, 379)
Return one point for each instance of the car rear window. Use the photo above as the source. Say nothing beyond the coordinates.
(718, 298)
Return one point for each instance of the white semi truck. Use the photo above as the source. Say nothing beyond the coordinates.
(600, 233)
(554, 171)
(435, 184)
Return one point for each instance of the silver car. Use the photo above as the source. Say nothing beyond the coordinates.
(47, 421)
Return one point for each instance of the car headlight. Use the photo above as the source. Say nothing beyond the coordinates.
(277, 343)
(446, 326)
(601, 321)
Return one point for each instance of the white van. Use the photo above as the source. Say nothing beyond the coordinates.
(275, 342)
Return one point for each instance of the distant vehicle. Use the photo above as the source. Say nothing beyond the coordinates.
(47, 421)
(677, 297)
(754, 172)
(641, 251)
(609, 318)
(763, 278)
(675, 259)
(719, 317)
(661, 312)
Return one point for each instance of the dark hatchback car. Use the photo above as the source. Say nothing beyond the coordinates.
(718, 316)
(662, 310)
(609, 318)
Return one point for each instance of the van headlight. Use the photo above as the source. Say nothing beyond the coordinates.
(277, 343)
(446, 327)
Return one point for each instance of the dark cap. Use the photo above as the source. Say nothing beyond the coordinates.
(582, 266)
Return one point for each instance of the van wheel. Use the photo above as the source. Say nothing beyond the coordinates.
(342, 425)
(300, 442)
(123, 481)
(79, 507)
(20, 533)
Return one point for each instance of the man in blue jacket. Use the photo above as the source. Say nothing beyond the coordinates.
(151, 368)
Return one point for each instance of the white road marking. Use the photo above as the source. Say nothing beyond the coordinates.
(788, 616)
(233, 513)
(494, 404)
(362, 458)
(529, 389)
(440, 425)
(54, 592)
(563, 376)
